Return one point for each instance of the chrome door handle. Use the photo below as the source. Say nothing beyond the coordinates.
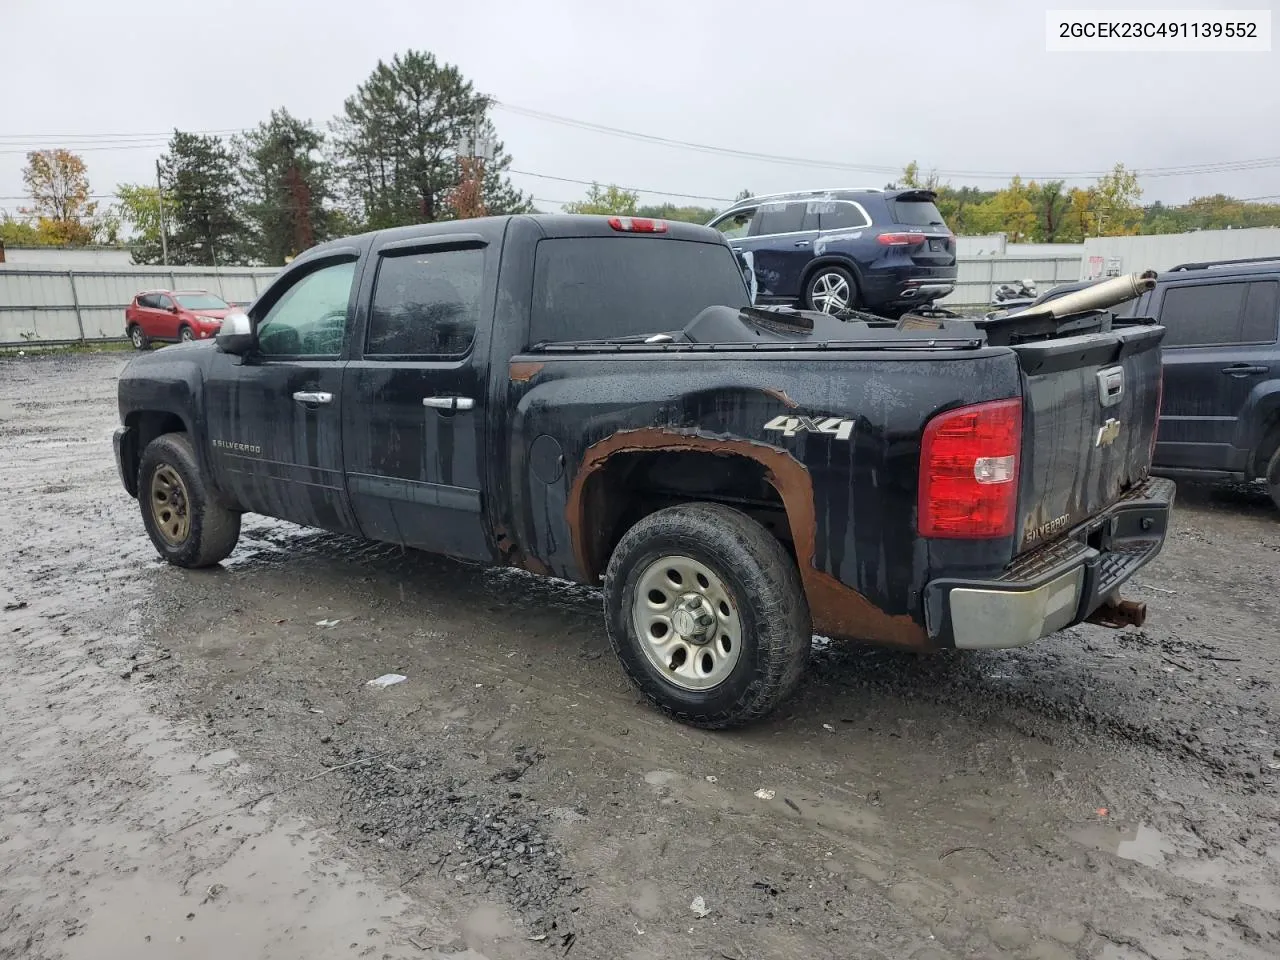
(449, 403)
(802, 243)
(308, 396)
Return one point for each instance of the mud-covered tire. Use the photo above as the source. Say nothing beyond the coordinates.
(211, 530)
(139, 339)
(764, 586)
(1272, 478)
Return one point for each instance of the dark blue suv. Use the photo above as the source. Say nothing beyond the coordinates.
(884, 251)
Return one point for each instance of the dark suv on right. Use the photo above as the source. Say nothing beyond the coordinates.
(884, 251)
(1220, 417)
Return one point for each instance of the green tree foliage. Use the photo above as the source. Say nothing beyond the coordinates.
(138, 207)
(671, 211)
(285, 186)
(395, 142)
(201, 175)
(606, 200)
(18, 233)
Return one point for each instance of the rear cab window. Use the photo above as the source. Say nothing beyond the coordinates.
(600, 288)
(1220, 314)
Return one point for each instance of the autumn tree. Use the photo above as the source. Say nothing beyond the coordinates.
(612, 200)
(285, 187)
(60, 198)
(1009, 211)
(200, 174)
(494, 195)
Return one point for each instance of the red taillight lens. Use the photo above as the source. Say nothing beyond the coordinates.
(638, 225)
(969, 471)
(900, 239)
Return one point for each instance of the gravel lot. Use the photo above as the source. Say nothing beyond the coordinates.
(191, 762)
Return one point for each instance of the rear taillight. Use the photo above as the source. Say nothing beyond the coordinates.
(969, 471)
(638, 225)
(900, 239)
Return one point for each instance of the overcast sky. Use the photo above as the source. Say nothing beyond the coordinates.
(956, 86)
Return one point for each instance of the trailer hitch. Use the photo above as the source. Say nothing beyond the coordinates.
(1119, 613)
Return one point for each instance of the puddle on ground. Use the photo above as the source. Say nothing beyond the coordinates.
(1136, 842)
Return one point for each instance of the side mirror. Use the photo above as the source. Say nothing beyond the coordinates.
(173, 308)
(236, 334)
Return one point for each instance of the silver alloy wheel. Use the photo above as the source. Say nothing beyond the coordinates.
(831, 293)
(687, 622)
(187, 334)
(136, 336)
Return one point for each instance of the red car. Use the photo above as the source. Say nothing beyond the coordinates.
(172, 315)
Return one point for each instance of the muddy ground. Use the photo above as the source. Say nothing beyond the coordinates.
(192, 765)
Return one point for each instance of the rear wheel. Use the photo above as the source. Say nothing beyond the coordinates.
(707, 615)
(831, 290)
(138, 338)
(187, 527)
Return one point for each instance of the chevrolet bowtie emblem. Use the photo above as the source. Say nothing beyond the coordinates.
(1107, 433)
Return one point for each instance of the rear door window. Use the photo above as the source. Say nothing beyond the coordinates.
(426, 304)
(777, 218)
(1203, 314)
(1261, 311)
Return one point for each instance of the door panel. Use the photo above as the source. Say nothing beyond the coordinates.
(275, 417)
(413, 405)
(782, 246)
(165, 320)
(1209, 373)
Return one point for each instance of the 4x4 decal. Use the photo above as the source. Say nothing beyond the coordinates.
(832, 426)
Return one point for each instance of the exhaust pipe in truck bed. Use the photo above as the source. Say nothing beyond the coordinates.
(1108, 293)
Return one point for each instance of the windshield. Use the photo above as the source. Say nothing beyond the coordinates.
(201, 301)
(599, 288)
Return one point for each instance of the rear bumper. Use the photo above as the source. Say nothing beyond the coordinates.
(907, 286)
(1057, 585)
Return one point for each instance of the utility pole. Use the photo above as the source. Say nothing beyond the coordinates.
(473, 150)
(164, 239)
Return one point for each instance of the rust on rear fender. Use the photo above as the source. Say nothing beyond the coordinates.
(838, 610)
(523, 371)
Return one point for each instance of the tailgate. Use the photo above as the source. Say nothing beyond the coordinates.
(1090, 409)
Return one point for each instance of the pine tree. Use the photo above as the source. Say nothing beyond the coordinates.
(285, 188)
(200, 175)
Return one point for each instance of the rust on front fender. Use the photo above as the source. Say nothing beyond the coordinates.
(838, 610)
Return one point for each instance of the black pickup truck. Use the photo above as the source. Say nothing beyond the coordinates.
(595, 399)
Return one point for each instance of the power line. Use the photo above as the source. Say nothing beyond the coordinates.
(1181, 170)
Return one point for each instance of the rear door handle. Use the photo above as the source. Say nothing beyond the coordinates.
(449, 403)
(802, 243)
(1244, 370)
(308, 396)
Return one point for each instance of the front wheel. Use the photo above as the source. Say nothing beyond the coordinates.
(187, 526)
(831, 290)
(706, 613)
(185, 335)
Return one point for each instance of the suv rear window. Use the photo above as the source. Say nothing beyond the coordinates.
(915, 213)
(1205, 314)
(598, 288)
